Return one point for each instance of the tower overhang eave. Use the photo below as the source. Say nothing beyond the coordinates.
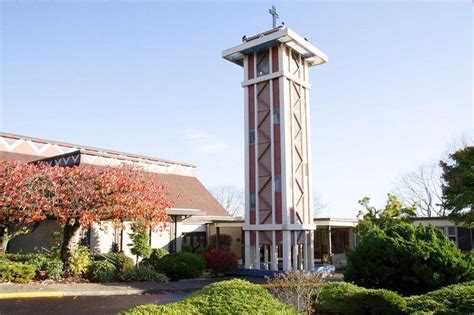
(281, 35)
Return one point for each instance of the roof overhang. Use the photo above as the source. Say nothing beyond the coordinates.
(185, 212)
(207, 219)
(282, 35)
(322, 222)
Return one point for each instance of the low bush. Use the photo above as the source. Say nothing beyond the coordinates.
(455, 299)
(144, 274)
(80, 261)
(46, 267)
(226, 297)
(201, 249)
(52, 268)
(16, 272)
(297, 288)
(220, 261)
(181, 266)
(102, 271)
(341, 297)
(155, 256)
(417, 304)
(123, 262)
(35, 259)
(186, 248)
(346, 298)
(170, 309)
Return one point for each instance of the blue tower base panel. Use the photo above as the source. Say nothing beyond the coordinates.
(323, 269)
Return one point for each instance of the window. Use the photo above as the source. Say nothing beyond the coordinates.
(451, 233)
(253, 199)
(276, 115)
(278, 183)
(195, 239)
(465, 239)
(117, 239)
(263, 65)
(252, 136)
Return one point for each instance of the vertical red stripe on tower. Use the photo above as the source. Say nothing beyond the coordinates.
(251, 111)
(275, 63)
(277, 146)
(251, 67)
(251, 108)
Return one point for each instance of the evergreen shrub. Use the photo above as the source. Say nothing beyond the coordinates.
(407, 259)
(16, 272)
(144, 274)
(102, 271)
(182, 266)
(123, 263)
(155, 256)
(226, 297)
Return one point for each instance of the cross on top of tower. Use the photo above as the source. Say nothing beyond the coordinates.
(274, 14)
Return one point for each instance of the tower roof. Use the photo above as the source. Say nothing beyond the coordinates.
(281, 34)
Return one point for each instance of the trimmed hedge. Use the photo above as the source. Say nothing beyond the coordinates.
(454, 299)
(226, 297)
(341, 297)
(16, 272)
(347, 298)
(181, 266)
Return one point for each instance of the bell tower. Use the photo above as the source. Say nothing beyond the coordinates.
(279, 228)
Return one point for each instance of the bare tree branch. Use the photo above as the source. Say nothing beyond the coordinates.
(423, 187)
(320, 206)
(231, 198)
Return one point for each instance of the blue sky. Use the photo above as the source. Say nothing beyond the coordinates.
(148, 78)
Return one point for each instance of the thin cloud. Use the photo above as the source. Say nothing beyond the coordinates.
(201, 141)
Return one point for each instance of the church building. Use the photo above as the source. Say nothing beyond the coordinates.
(194, 207)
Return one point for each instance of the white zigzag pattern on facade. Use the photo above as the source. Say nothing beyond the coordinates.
(11, 147)
(40, 148)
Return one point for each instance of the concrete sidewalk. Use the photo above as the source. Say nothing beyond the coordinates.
(14, 290)
(50, 289)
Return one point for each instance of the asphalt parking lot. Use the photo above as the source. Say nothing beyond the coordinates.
(85, 304)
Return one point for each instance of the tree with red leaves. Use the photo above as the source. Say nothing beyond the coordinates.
(25, 191)
(77, 197)
(89, 194)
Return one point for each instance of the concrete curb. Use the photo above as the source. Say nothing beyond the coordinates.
(32, 294)
(60, 294)
(63, 292)
(125, 292)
